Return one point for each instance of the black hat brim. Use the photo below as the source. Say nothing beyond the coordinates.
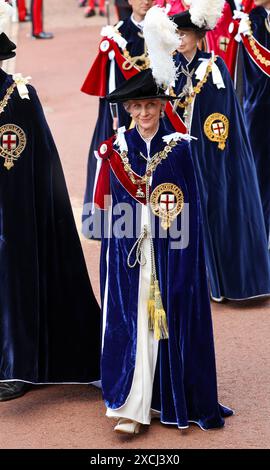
(153, 97)
(183, 21)
(7, 56)
(6, 47)
(141, 86)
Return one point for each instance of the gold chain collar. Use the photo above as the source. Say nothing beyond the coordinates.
(253, 46)
(153, 163)
(197, 89)
(7, 96)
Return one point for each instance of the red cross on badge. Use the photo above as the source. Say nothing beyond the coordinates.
(167, 201)
(12, 144)
(9, 141)
(218, 128)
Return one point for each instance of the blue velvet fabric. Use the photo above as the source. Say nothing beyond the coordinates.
(237, 255)
(185, 386)
(104, 130)
(256, 101)
(49, 318)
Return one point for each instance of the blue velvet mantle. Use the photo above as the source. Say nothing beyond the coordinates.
(185, 386)
(49, 318)
(256, 101)
(104, 126)
(237, 255)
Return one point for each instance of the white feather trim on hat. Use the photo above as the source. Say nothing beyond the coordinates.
(6, 12)
(161, 40)
(206, 12)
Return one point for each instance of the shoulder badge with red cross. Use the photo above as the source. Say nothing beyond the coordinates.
(216, 128)
(12, 144)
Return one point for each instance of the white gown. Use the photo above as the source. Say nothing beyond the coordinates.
(138, 404)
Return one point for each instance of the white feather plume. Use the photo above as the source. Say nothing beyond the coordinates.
(6, 12)
(206, 12)
(161, 40)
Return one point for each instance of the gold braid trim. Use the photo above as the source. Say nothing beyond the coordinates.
(140, 61)
(133, 61)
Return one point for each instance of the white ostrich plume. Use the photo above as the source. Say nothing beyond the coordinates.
(161, 40)
(5, 13)
(206, 12)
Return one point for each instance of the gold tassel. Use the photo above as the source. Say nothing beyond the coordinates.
(160, 327)
(151, 305)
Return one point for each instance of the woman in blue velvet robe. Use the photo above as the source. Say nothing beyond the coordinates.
(131, 31)
(237, 255)
(256, 102)
(173, 378)
(49, 317)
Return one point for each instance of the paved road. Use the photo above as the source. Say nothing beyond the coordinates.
(73, 416)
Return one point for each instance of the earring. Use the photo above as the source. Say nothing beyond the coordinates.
(162, 114)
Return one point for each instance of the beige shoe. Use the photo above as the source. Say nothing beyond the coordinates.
(127, 426)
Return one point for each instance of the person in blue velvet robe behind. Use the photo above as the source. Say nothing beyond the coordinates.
(104, 76)
(158, 355)
(237, 255)
(49, 317)
(256, 98)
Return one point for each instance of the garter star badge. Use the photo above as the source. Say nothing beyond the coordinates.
(12, 144)
(216, 127)
(167, 201)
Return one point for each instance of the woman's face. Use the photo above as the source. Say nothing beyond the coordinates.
(146, 113)
(188, 41)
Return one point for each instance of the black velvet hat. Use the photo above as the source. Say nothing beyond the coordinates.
(141, 86)
(183, 21)
(6, 47)
(202, 15)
